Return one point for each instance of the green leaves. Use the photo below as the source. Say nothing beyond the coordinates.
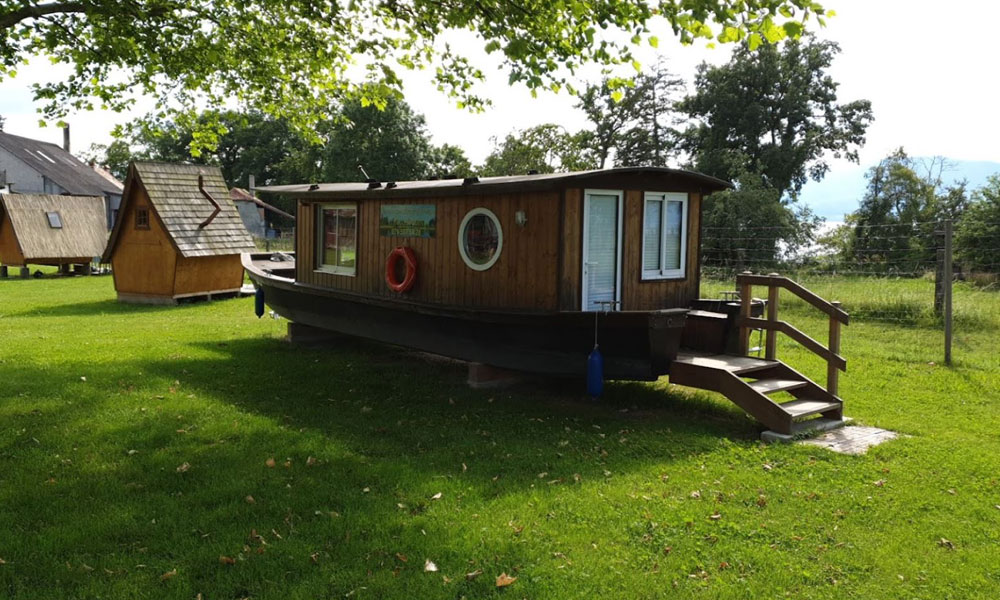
(290, 58)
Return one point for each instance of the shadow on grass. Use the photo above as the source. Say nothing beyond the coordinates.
(105, 307)
(387, 432)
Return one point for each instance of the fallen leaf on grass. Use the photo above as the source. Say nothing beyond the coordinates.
(314, 557)
(310, 461)
(429, 566)
(471, 576)
(401, 557)
(879, 483)
(226, 560)
(503, 580)
(168, 575)
(83, 379)
(183, 468)
(250, 500)
(270, 462)
(696, 494)
(944, 543)
(436, 496)
(715, 516)
(2, 561)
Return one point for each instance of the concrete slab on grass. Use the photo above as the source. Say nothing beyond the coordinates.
(852, 440)
(804, 428)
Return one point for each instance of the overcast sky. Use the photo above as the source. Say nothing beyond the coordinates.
(928, 67)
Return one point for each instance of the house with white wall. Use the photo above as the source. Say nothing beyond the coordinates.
(30, 166)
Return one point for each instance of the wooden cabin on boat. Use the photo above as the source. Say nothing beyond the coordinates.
(178, 235)
(45, 229)
(526, 273)
(549, 242)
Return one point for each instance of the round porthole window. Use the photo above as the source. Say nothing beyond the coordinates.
(480, 239)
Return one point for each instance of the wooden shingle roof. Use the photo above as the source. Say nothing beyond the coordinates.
(82, 234)
(181, 207)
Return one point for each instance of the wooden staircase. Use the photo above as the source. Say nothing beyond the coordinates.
(752, 383)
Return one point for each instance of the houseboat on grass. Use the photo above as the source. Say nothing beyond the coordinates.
(523, 273)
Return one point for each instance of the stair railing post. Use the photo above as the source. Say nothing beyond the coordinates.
(771, 345)
(832, 373)
(745, 291)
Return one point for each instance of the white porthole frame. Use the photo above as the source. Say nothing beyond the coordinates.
(461, 238)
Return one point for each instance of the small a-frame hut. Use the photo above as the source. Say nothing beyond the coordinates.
(43, 229)
(177, 235)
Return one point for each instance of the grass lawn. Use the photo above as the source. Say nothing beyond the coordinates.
(185, 452)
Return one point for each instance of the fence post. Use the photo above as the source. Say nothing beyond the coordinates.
(939, 282)
(947, 276)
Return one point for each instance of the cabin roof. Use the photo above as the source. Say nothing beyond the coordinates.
(82, 233)
(67, 171)
(478, 185)
(180, 207)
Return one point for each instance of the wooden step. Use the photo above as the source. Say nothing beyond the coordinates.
(804, 407)
(771, 386)
(737, 365)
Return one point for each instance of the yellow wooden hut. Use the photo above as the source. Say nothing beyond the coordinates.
(178, 235)
(45, 229)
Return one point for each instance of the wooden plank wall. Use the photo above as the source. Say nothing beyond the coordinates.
(570, 267)
(208, 274)
(664, 293)
(10, 252)
(524, 277)
(143, 261)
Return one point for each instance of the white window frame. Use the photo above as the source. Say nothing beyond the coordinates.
(620, 194)
(320, 242)
(663, 273)
(461, 238)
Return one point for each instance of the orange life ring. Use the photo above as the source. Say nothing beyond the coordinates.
(410, 259)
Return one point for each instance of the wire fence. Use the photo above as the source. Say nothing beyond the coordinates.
(893, 275)
(276, 240)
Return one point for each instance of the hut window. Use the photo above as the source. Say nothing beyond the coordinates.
(142, 218)
(337, 235)
(55, 221)
(480, 239)
(664, 235)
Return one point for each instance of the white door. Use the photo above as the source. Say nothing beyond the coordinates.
(602, 249)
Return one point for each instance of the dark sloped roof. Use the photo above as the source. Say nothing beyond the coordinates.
(66, 170)
(181, 208)
(83, 232)
(492, 184)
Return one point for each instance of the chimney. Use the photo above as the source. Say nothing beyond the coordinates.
(66, 138)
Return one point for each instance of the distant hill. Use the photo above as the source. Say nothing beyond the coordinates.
(840, 191)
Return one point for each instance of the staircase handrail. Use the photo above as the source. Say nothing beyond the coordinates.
(774, 282)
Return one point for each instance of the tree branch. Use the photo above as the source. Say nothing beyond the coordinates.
(9, 19)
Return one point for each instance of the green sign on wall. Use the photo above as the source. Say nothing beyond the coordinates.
(408, 220)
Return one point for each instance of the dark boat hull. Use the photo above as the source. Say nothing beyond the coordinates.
(636, 345)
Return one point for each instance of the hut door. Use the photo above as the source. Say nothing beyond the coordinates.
(602, 249)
